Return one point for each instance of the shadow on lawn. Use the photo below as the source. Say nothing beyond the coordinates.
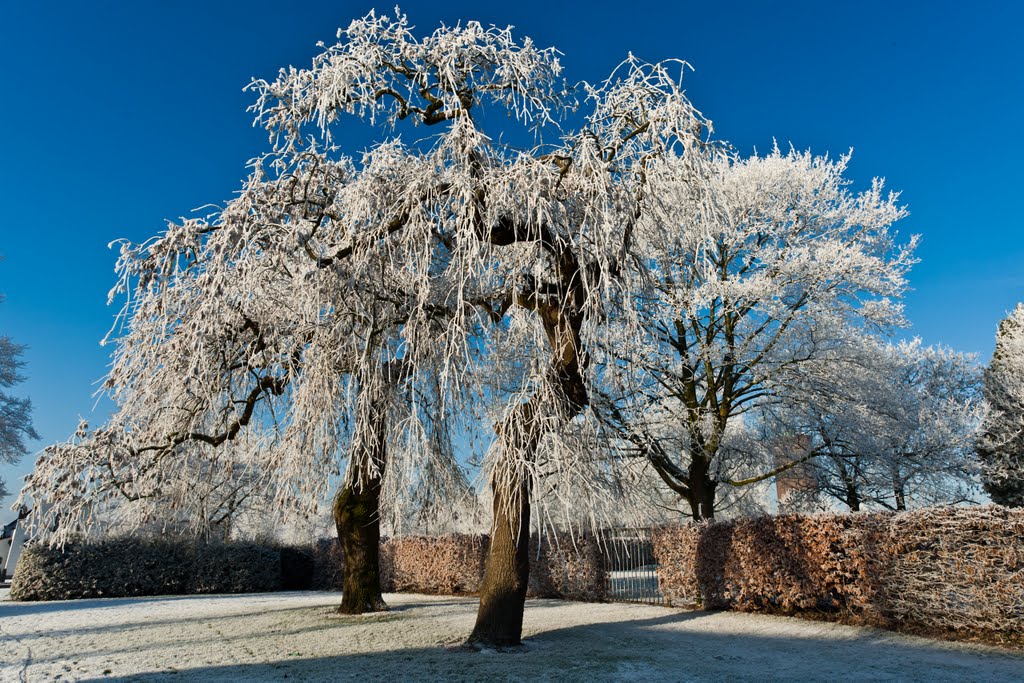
(326, 623)
(640, 649)
(16, 608)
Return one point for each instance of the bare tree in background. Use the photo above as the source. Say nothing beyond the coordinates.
(759, 266)
(15, 413)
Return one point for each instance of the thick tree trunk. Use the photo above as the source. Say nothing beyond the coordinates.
(357, 518)
(852, 498)
(701, 490)
(499, 619)
(702, 501)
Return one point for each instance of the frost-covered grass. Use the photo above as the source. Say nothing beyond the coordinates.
(297, 636)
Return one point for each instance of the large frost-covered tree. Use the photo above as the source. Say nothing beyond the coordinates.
(1001, 445)
(444, 255)
(760, 267)
(536, 237)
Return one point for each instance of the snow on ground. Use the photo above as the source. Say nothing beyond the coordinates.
(296, 636)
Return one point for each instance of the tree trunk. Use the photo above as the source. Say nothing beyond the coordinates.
(702, 490)
(851, 495)
(899, 490)
(702, 502)
(357, 518)
(499, 619)
(901, 497)
(852, 498)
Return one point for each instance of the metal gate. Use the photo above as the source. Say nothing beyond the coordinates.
(631, 569)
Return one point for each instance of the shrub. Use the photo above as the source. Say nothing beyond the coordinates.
(570, 567)
(561, 566)
(298, 568)
(941, 568)
(328, 565)
(133, 567)
(447, 565)
(947, 568)
(234, 568)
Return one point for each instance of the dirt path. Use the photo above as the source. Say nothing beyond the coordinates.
(294, 636)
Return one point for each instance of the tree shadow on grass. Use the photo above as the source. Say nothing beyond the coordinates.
(678, 646)
(195, 630)
(17, 608)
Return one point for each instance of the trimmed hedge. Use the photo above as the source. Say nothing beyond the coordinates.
(938, 568)
(570, 568)
(328, 565)
(957, 570)
(445, 565)
(562, 567)
(132, 567)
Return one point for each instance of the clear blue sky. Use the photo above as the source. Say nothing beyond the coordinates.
(117, 116)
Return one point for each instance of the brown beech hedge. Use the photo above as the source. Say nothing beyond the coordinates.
(942, 568)
(950, 569)
(561, 566)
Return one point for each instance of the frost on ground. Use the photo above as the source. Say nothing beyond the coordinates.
(296, 636)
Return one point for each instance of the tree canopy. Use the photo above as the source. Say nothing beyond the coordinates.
(762, 269)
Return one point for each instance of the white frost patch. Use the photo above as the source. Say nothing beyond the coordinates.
(295, 636)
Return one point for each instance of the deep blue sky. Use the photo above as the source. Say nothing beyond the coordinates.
(117, 116)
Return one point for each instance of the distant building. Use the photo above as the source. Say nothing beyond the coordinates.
(12, 538)
(799, 481)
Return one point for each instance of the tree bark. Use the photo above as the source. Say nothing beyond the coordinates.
(357, 518)
(702, 502)
(499, 619)
(852, 498)
(901, 497)
(899, 488)
(702, 491)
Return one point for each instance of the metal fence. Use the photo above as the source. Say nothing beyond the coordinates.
(632, 571)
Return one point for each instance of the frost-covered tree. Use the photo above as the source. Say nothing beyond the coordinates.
(888, 425)
(15, 413)
(222, 485)
(246, 359)
(460, 252)
(1001, 446)
(924, 450)
(758, 267)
